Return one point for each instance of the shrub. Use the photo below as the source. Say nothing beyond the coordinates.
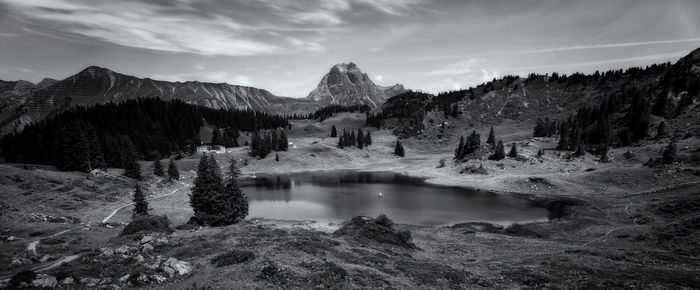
(148, 224)
(384, 220)
(23, 276)
(232, 257)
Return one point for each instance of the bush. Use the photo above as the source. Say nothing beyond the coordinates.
(384, 220)
(23, 276)
(232, 257)
(148, 224)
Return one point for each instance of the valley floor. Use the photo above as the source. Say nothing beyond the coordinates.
(625, 226)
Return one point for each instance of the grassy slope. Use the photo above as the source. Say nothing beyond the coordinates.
(635, 227)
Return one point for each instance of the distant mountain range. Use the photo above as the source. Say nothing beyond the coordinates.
(22, 102)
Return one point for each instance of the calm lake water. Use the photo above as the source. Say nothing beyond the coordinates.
(339, 195)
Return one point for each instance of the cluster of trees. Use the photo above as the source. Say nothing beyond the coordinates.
(409, 106)
(85, 138)
(173, 173)
(591, 128)
(545, 128)
(262, 143)
(328, 111)
(228, 139)
(217, 201)
(473, 142)
(348, 139)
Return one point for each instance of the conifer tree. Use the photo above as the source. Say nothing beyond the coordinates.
(580, 150)
(207, 186)
(661, 130)
(669, 153)
(360, 138)
(460, 148)
(216, 137)
(499, 153)
(563, 136)
(398, 150)
(173, 172)
(158, 168)
(368, 139)
(472, 144)
(334, 133)
(131, 168)
(492, 138)
(277, 157)
(140, 203)
(513, 151)
(352, 139)
(341, 142)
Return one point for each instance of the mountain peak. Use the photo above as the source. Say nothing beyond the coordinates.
(345, 84)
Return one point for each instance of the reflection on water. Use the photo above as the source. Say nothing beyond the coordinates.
(339, 195)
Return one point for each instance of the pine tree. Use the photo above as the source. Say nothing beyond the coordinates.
(563, 136)
(499, 153)
(277, 157)
(158, 168)
(492, 138)
(472, 144)
(398, 150)
(368, 139)
(513, 151)
(140, 203)
(284, 142)
(580, 150)
(334, 133)
(360, 139)
(352, 139)
(208, 185)
(131, 168)
(228, 203)
(341, 142)
(669, 153)
(460, 148)
(661, 130)
(604, 154)
(173, 172)
(216, 137)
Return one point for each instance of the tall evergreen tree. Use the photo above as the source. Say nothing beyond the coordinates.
(140, 203)
(661, 130)
(158, 168)
(499, 153)
(173, 172)
(473, 143)
(360, 138)
(368, 139)
(277, 157)
(563, 136)
(216, 138)
(284, 142)
(208, 185)
(132, 169)
(492, 138)
(460, 148)
(334, 133)
(398, 149)
(668, 155)
(513, 151)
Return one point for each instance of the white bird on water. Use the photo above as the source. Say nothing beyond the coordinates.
(379, 194)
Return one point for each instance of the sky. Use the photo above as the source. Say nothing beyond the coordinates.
(286, 46)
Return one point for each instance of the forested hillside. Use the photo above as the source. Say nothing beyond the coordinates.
(623, 99)
(85, 138)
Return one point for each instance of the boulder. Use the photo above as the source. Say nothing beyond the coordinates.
(140, 258)
(146, 240)
(123, 250)
(44, 281)
(124, 278)
(179, 267)
(158, 278)
(90, 281)
(147, 249)
(106, 252)
(68, 281)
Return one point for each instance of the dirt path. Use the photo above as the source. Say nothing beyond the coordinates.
(184, 185)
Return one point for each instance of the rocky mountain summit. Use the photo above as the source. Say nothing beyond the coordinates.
(345, 84)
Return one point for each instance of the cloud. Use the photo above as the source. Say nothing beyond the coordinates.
(144, 25)
(457, 68)
(379, 78)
